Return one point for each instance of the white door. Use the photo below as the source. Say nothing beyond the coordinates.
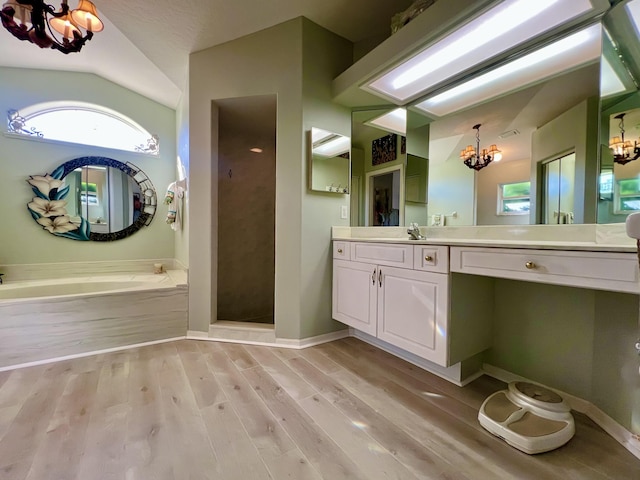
(413, 312)
(354, 294)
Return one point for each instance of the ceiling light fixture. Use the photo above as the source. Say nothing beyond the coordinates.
(394, 121)
(623, 151)
(36, 21)
(508, 24)
(580, 48)
(476, 159)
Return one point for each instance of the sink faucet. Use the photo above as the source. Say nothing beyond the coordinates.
(414, 232)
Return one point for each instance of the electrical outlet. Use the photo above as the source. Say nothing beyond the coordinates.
(344, 212)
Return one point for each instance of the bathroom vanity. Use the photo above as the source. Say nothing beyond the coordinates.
(432, 301)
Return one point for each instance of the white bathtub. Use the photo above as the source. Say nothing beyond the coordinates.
(47, 319)
(64, 287)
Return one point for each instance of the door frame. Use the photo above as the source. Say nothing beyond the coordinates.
(369, 177)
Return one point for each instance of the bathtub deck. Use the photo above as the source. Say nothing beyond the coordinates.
(57, 327)
(206, 410)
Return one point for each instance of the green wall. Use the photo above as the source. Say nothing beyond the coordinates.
(23, 241)
(296, 61)
(577, 340)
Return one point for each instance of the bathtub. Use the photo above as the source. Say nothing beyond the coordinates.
(31, 289)
(47, 319)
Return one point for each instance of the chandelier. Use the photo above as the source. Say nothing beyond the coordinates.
(476, 159)
(36, 21)
(623, 151)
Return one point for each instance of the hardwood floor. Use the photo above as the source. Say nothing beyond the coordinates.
(204, 410)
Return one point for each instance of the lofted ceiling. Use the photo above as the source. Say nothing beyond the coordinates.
(145, 45)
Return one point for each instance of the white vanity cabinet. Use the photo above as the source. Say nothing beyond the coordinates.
(379, 292)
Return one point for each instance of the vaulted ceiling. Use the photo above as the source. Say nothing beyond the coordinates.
(146, 44)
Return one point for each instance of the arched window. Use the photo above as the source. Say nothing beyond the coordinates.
(82, 123)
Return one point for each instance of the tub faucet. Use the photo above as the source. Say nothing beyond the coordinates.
(414, 231)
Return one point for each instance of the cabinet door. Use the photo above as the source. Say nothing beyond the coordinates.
(413, 312)
(354, 294)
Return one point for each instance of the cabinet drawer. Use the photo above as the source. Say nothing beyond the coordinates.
(341, 250)
(431, 258)
(598, 270)
(392, 255)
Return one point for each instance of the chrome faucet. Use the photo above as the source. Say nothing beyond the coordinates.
(414, 231)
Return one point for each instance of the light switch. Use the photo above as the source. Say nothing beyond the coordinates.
(344, 212)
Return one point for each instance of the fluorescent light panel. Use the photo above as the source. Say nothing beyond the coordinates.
(329, 144)
(577, 49)
(393, 121)
(505, 26)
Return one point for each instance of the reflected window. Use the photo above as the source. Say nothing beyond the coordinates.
(82, 123)
(627, 195)
(514, 198)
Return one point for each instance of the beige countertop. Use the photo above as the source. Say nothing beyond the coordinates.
(603, 238)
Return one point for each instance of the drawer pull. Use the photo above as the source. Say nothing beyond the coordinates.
(373, 277)
(339, 250)
(428, 258)
(530, 265)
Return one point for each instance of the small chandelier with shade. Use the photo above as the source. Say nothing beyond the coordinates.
(65, 30)
(477, 159)
(623, 150)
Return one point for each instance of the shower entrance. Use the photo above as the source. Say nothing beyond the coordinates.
(246, 209)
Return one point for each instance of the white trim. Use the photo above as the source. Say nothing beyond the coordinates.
(280, 342)
(88, 354)
(623, 436)
(369, 176)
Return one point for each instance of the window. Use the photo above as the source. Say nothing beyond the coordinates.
(514, 198)
(82, 123)
(627, 195)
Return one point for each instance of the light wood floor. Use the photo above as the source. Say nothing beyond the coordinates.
(203, 410)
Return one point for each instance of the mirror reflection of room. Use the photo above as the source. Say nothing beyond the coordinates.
(330, 161)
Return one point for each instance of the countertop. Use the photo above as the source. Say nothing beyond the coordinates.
(591, 237)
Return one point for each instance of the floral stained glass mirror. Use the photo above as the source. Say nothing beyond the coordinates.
(93, 198)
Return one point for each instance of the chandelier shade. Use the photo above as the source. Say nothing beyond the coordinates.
(86, 16)
(477, 159)
(39, 23)
(623, 150)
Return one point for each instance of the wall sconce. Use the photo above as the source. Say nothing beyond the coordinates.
(476, 159)
(623, 151)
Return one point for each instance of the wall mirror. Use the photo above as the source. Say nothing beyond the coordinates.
(93, 198)
(329, 164)
(389, 167)
(619, 181)
(535, 117)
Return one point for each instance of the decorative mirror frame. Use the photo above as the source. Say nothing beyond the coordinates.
(48, 207)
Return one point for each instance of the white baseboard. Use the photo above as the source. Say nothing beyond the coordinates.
(87, 354)
(628, 440)
(279, 342)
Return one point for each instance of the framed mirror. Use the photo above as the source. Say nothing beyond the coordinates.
(93, 198)
(329, 161)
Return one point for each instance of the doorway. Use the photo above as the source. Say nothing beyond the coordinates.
(246, 209)
(559, 181)
(385, 197)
